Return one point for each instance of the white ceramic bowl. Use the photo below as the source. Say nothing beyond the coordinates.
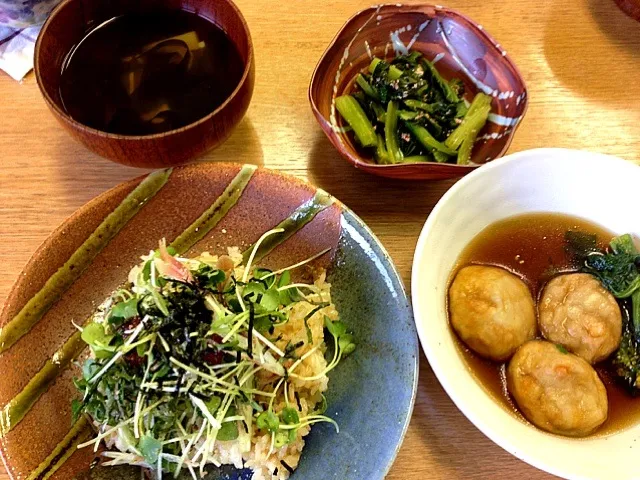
(592, 186)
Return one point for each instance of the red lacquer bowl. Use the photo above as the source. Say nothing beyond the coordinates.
(69, 22)
(462, 50)
(630, 7)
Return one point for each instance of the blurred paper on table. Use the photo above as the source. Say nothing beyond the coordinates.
(20, 23)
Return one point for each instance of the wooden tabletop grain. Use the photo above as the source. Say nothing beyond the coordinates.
(580, 60)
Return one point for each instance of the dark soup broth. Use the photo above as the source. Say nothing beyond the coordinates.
(536, 247)
(140, 74)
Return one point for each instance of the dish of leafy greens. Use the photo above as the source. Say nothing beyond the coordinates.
(209, 361)
(404, 111)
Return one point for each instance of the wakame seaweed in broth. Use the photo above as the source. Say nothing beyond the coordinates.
(140, 74)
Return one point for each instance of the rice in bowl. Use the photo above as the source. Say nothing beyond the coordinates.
(210, 361)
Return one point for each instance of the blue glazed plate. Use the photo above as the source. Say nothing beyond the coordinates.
(380, 379)
(371, 393)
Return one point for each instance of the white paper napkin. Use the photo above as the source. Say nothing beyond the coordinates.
(20, 23)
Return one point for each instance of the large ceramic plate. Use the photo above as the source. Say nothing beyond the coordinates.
(371, 393)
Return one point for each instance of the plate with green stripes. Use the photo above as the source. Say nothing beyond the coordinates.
(198, 208)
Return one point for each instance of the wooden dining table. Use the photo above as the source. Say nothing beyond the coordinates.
(580, 60)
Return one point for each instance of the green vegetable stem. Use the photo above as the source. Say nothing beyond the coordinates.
(391, 133)
(404, 111)
(352, 112)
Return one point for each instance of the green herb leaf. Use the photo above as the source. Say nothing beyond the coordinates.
(256, 406)
(161, 303)
(150, 448)
(284, 279)
(162, 372)
(561, 348)
(624, 244)
(90, 368)
(102, 354)
(228, 431)
(282, 438)
(617, 269)
(290, 295)
(146, 271)
(348, 349)
(263, 272)
(125, 433)
(124, 310)
(262, 324)
(321, 407)
(268, 421)
(271, 299)
(213, 404)
(461, 109)
(579, 244)
(290, 416)
(76, 409)
(336, 329)
(346, 344)
(209, 277)
(252, 290)
(285, 298)
(94, 334)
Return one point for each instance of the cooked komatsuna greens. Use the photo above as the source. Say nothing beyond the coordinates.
(210, 361)
(404, 111)
(617, 269)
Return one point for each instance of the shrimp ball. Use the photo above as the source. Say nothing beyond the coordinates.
(556, 390)
(576, 311)
(491, 310)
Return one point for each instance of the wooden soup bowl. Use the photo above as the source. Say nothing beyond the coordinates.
(68, 24)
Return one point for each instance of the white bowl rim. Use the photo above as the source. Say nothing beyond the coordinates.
(464, 405)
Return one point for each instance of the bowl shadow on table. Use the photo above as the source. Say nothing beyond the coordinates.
(243, 146)
(85, 174)
(576, 62)
(447, 438)
(369, 196)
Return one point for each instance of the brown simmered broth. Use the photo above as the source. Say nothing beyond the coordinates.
(141, 74)
(533, 246)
